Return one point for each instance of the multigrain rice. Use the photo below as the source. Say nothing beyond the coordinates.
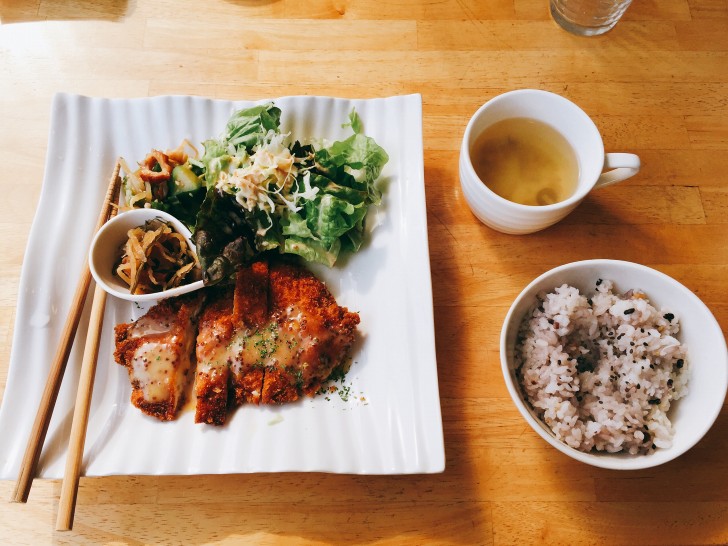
(602, 371)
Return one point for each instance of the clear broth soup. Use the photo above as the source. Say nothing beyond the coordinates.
(526, 161)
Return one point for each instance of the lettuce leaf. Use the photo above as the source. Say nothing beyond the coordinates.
(354, 122)
(214, 160)
(247, 128)
(355, 162)
(223, 238)
(330, 220)
(312, 250)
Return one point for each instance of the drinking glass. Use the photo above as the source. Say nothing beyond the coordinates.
(588, 17)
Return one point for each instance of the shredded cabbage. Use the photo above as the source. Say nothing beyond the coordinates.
(309, 200)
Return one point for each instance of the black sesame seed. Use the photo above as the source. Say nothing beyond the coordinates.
(669, 382)
(654, 446)
(642, 330)
(654, 401)
(629, 311)
(584, 365)
(668, 317)
(679, 363)
(631, 343)
(599, 281)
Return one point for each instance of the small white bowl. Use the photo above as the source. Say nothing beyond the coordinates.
(691, 416)
(104, 253)
(574, 125)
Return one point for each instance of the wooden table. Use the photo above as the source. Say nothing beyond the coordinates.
(657, 85)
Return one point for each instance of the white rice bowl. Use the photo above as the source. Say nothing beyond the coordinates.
(578, 367)
(602, 370)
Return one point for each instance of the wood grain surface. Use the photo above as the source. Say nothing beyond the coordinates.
(657, 85)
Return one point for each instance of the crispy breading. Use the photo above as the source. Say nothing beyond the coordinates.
(212, 375)
(250, 314)
(276, 336)
(156, 350)
(228, 364)
(315, 333)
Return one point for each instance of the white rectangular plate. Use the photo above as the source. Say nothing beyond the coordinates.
(390, 422)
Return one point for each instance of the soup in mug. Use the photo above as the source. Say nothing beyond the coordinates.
(526, 161)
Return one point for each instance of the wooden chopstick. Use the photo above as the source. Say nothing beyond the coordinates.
(69, 488)
(58, 366)
(77, 440)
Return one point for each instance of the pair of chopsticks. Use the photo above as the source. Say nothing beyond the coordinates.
(74, 457)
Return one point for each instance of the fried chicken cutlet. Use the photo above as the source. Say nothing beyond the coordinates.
(227, 354)
(279, 336)
(311, 334)
(156, 350)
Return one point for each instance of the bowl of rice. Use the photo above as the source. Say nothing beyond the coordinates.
(613, 363)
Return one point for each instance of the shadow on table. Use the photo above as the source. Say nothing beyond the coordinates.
(691, 490)
(22, 11)
(592, 231)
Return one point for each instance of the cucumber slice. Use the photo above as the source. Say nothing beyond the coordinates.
(184, 180)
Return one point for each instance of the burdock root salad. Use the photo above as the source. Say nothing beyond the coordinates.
(602, 371)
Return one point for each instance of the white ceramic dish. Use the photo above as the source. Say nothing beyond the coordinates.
(104, 253)
(574, 125)
(693, 415)
(390, 423)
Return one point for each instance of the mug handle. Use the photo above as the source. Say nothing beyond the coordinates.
(622, 167)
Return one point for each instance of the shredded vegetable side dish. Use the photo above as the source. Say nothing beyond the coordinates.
(168, 181)
(155, 258)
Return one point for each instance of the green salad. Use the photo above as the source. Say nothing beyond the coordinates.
(254, 190)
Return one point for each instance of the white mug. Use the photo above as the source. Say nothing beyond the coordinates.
(580, 132)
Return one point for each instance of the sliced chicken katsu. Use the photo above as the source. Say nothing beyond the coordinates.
(213, 366)
(309, 334)
(156, 350)
(251, 314)
(279, 335)
(225, 354)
